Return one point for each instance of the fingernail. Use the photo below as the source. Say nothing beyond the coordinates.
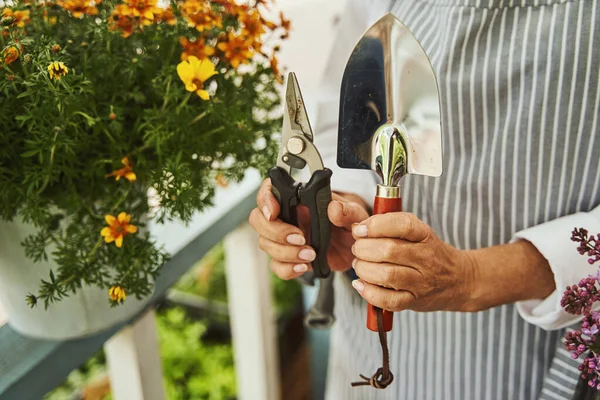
(266, 213)
(300, 268)
(354, 262)
(361, 230)
(307, 254)
(296, 239)
(358, 285)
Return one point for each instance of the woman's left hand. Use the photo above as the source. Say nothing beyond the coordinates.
(402, 264)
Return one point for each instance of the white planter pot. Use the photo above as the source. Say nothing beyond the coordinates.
(84, 313)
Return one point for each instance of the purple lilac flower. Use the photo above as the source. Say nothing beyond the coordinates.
(590, 370)
(588, 244)
(578, 299)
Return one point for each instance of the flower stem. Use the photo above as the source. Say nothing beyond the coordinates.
(51, 163)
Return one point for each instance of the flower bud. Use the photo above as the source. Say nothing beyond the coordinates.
(112, 116)
(56, 48)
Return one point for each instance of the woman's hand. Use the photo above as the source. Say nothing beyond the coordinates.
(402, 264)
(287, 244)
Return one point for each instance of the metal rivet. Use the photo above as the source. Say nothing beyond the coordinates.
(295, 145)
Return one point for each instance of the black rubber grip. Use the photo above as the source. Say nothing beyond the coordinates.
(285, 190)
(316, 195)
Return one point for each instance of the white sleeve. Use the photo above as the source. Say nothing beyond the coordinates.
(553, 240)
(356, 19)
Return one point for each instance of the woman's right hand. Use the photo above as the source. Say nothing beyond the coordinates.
(287, 244)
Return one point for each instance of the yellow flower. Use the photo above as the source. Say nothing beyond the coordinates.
(237, 49)
(11, 55)
(57, 70)
(125, 172)
(117, 228)
(117, 293)
(194, 73)
(196, 48)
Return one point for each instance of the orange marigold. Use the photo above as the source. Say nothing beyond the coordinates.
(18, 18)
(143, 9)
(200, 15)
(134, 14)
(275, 67)
(127, 170)
(237, 49)
(197, 48)
(165, 15)
(10, 55)
(117, 228)
(79, 7)
(122, 23)
(252, 24)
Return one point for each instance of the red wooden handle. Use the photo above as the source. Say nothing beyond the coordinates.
(383, 205)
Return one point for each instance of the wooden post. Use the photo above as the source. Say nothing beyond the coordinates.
(253, 323)
(134, 364)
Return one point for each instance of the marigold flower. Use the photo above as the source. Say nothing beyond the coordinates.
(194, 73)
(285, 23)
(252, 24)
(57, 70)
(237, 49)
(165, 15)
(123, 23)
(197, 48)
(221, 181)
(17, 18)
(125, 172)
(275, 67)
(117, 293)
(143, 9)
(117, 228)
(78, 8)
(200, 15)
(10, 55)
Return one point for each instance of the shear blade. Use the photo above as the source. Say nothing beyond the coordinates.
(295, 108)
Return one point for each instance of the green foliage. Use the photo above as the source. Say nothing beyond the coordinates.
(214, 285)
(192, 368)
(60, 139)
(78, 378)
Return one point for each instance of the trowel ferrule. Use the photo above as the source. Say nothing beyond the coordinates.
(388, 192)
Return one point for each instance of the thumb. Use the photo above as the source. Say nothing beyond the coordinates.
(344, 214)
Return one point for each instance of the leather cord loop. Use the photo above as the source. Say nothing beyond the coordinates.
(382, 378)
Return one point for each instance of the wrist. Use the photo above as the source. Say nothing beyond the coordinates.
(506, 274)
(473, 289)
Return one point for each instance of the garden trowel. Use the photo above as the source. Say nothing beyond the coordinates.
(389, 122)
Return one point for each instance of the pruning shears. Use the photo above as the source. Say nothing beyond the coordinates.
(297, 151)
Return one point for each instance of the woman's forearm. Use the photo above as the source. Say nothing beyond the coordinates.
(508, 273)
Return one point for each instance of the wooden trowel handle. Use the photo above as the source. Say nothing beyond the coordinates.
(383, 205)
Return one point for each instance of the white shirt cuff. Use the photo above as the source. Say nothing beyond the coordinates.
(553, 240)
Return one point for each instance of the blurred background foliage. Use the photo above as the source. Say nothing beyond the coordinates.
(195, 345)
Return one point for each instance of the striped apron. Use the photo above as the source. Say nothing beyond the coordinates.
(519, 82)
